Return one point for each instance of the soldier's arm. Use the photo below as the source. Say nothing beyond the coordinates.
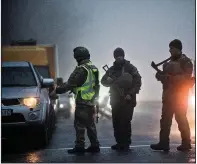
(76, 79)
(162, 77)
(137, 80)
(106, 80)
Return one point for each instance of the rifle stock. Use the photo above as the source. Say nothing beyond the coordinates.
(155, 67)
(105, 67)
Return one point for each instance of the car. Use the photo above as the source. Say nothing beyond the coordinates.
(65, 105)
(25, 103)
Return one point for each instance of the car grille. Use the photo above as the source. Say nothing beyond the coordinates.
(9, 102)
(16, 117)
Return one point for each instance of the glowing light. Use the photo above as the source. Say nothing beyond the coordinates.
(108, 104)
(33, 157)
(192, 100)
(100, 100)
(30, 102)
(193, 132)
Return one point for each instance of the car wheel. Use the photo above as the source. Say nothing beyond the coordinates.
(44, 136)
(53, 122)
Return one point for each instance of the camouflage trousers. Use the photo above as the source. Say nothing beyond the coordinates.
(84, 120)
(122, 115)
(180, 112)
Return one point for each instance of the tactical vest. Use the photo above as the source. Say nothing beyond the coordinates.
(87, 90)
(175, 91)
(175, 67)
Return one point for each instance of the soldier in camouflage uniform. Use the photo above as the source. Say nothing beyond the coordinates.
(175, 79)
(85, 100)
(123, 98)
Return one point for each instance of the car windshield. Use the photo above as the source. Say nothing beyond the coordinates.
(18, 76)
(43, 71)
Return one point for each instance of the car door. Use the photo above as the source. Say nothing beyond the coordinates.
(44, 94)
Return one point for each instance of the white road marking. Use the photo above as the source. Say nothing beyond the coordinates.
(109, 147)
(105, 139)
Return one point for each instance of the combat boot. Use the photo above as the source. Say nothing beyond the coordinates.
(160, 146)
(76, 150)
(184, 147)
(93, 149)
(115, 147)
(123, 147)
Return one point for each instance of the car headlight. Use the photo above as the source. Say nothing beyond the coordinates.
(31, 102)
(61, 105)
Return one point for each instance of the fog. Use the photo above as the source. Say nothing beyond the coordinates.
(143, 28)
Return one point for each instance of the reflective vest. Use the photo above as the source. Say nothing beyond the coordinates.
(87, 90)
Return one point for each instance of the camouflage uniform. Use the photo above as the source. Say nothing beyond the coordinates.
(175, 100)
(84, 112)
(122, 109)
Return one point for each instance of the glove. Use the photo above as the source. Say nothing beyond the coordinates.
(54, 91)
(158, 76)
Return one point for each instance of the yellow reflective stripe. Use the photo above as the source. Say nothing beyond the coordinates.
(90, 83)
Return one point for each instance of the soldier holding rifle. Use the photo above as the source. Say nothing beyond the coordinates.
(176, 80)
(124, 81)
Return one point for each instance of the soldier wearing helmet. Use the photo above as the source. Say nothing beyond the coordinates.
(84, 83)
(124, 81)
(176, 83)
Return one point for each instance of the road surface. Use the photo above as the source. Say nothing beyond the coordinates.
(145, 131)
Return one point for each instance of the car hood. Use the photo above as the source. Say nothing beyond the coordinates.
(19, 92)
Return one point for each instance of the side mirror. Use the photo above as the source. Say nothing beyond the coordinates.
(47, 83)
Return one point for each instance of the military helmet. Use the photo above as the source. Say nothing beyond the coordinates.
(81, 53)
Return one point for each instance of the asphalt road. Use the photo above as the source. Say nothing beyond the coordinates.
(145, 131)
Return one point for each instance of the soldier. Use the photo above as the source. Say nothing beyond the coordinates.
(175, 80)
(84, 83)
(122, 97)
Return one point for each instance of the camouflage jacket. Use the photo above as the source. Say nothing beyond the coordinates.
(76, 79)
(116, 72)
(177, 74)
